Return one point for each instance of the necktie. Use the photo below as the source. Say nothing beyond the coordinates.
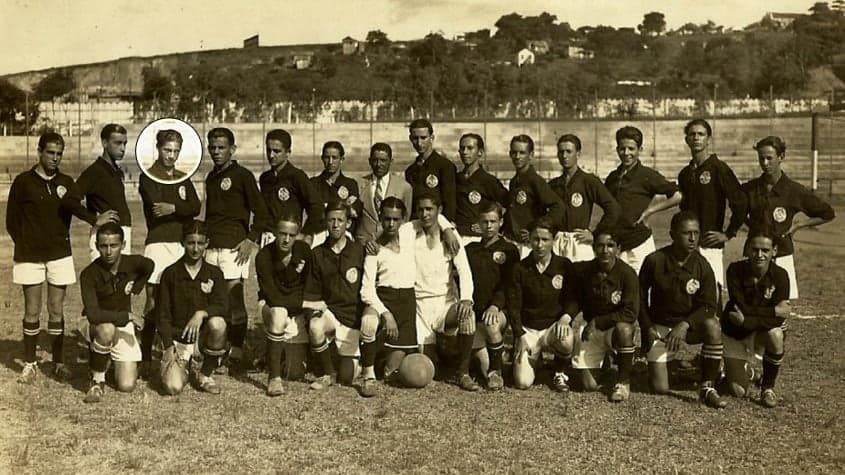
(378, 196)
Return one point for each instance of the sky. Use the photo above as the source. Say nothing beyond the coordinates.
(39, 34)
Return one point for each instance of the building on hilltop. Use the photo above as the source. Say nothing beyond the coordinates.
(352, 46)
(578, 52)
(524, 57)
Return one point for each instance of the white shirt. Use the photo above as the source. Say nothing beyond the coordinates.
(434, 270)
(385, 181)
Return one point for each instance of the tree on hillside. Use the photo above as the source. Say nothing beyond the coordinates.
(518, 30)
(654, 24)
(609, 42)
(13, 107)
(157, 87)
(377, 38)
(56, 84)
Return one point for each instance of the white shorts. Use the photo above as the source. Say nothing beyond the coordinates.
(637, 255)
(127, 242)
(658, 352)
(431, 318)
(566, 245)
(590, 354)
(345, 338)
(716, 261)
(184, 351)
(746, 349)
(225, 260)
(788, 264)
(296, 330)
(163, 255)
(55, 272)
(125, 346)
(541, 340)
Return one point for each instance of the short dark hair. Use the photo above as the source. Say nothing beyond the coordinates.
(478, 140)
(432, 195)
(682, 216)
(110, 228)
(571, 138)
(761, 232)
(629, 132)
(50, 137)
(381, 147)
(700, 122)
(194, 226)
(543, 222)
(281, 135)
(333, 144)
(109, 129)
(167, 135)
(522, 138)
(773, 141)
(392, 202)
(289, 217)
(219, 132)
(490, 207)
(612, 232)
(419, 124)
(338, 205)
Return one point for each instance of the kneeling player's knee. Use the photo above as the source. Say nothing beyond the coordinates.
(774, 340)
(125, 385)
(216, 325)
(587, 381)
(104, 333)
(172, 387)
(523, 376)
(277, 320)
(494, 333)
(712, 330)
(624, 333)
(369, 327)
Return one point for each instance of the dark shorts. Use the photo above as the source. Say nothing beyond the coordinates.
(402, 303)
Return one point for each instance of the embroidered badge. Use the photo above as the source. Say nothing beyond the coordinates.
(283, 194)
(692, 286)
(342, 192)
(431, 181)
(616, 297)
(704, 178)
(499, 257)
(226, 184)
(352, 275)
(299, 266)
(576, 200)
(60, 191)
(128, 289)
(779, 214)
(207, 286)
(183, 194)
(557, 282)
(767, 294)
(521, 197)
(474, 197)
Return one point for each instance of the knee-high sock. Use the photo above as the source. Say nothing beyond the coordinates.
(148, 335)
(99, 360)
(56, 330)
(274, 354)
(494, 351)
(771, 367)
(464, 353)
(625, 360)
(30, 340)
(711, 359)
(324, 356)
(211, 360)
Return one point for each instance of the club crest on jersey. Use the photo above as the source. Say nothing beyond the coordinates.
(60, 191)
(779, 214)
(499, 257)
(352, 275)
(576, 200)
(474, 197)
(207, 286)
(283, 194)
(299, 266)
(767, 294)
(704, 178)
(128, 288)
(183, 195)
(616, 297)
(431, 181)
(342, 192)
(692, 286)
(521, 197)
(226, 184)
(557, 282)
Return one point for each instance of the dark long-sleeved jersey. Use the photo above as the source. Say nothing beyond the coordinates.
(231, 197)
(705, 189)
(288, 190)
(280, 283)
(436, 173)
(106, 297)
(634, 189)
(336, 280)
(671, 293)
(180, 296)
(101, 185)
(755, 298)
(529, 198)
(537, 300)
(608, 297)
(182, 195)
(578, 197)
(474, 192)
(491, 273)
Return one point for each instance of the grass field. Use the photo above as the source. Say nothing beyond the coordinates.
(47, 429)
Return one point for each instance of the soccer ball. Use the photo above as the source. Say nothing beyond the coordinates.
(416, 370)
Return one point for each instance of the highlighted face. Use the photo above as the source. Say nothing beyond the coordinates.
(285, 232)
(221, 151)
(628, 152)
(469, 151)
(606, 249)
(109, 246)
(338, 223)
(332, 160)
(769, 160)
(520, 156)
(195, 245)
(697, 138)
(168, 153)
(115, 146)
(489, 224)
(685, 238)
(380, 163)
(568, 155)
(541, 240)
(391, 219)
(50, 157)
(277, 154)
(760, 251)
(422, 140)
(427, 212)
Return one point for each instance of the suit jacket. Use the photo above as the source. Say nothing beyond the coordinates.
(368, 225)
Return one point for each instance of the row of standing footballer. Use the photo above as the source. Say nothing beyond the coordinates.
(388, 265)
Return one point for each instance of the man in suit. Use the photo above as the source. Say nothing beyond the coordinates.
(377, 186)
